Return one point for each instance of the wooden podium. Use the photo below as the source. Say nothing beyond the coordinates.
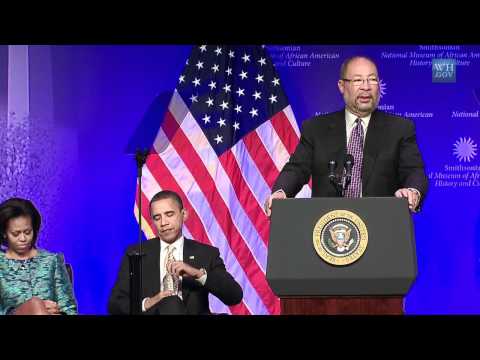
(375, 284)
(345, 305)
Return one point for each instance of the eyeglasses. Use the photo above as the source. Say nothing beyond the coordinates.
(360, 82)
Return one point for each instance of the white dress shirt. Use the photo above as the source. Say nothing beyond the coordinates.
(350, 124)
(178, 255)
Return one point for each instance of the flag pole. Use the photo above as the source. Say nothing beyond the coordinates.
(135, 257)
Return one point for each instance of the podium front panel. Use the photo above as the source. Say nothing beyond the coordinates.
(387, 267)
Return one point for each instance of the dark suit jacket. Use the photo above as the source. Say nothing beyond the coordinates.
(195, 296)
(391, 158)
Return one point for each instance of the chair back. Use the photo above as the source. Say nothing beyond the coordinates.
(70, 271)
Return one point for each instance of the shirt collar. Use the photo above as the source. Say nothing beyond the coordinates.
(178, 243)
(351, 118)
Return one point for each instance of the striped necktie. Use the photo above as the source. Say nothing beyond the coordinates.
(355, 148)
(170, 281)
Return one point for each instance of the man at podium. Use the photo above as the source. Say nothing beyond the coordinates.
(382, 148)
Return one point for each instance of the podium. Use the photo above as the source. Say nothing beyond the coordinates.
(375, 283)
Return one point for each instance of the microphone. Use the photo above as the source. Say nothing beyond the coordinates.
(332, 165)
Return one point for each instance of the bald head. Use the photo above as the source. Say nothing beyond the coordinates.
(358, 84)
(347, 62)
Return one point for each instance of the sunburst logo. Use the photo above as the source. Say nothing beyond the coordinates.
(383, 88)
(465, 149)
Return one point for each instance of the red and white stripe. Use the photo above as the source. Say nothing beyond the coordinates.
(224, 195)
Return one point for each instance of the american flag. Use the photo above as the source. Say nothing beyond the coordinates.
(227, 133)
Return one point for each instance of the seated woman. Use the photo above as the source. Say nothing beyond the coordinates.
(32, 281)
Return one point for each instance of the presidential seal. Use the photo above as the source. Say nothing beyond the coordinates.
(340, 237)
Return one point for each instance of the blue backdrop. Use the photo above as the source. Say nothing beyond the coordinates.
(76, 112)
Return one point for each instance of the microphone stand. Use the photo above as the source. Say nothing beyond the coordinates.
(335, 179)
(135, 257)
(341, 182)
(347, 178)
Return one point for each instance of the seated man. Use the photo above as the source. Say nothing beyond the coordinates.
(178, 273)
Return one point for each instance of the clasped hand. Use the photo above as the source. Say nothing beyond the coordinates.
(179, 268)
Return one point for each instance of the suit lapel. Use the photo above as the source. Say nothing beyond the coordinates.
(188, 252)
(337, 139)
(373, 142)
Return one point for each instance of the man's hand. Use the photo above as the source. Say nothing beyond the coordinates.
(151, 301)
(52, 307)
(179, 268)
(268, 203)
(412, 197)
